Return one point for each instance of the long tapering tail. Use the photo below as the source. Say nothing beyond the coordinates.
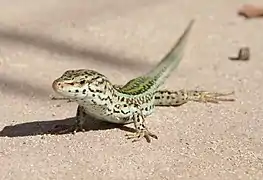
(171, 60)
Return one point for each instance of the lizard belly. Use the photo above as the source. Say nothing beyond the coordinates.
(103, 114)
(120, 113)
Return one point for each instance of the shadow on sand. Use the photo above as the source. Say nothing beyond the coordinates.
(55, 127)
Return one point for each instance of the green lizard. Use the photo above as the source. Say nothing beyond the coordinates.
(132, 102)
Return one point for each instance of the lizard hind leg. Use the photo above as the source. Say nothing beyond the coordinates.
(141, 130)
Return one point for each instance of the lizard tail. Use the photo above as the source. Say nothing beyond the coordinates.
(171, 60)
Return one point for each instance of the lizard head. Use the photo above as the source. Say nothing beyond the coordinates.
(80, 83)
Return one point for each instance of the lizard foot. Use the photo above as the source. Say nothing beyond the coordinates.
(55, 98)
(214, 97)
(139, 134)
(77, 127)
(65, 129)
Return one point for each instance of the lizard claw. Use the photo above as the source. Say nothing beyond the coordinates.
(65, 129)
(139, 134)
(78, 127)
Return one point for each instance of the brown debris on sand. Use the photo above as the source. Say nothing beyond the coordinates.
(251, 11)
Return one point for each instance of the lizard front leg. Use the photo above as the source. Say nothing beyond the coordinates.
(80, 120)
(141, 130)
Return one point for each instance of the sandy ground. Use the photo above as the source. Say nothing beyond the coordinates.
(39, 40)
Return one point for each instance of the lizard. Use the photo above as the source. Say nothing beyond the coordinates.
(132, 102)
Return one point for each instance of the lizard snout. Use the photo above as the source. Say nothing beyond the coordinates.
(57, 85)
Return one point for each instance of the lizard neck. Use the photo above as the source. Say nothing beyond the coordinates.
(99, 94)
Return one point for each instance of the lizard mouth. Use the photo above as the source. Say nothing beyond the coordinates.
(66, 89)
(57, 85)
(61, 87)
